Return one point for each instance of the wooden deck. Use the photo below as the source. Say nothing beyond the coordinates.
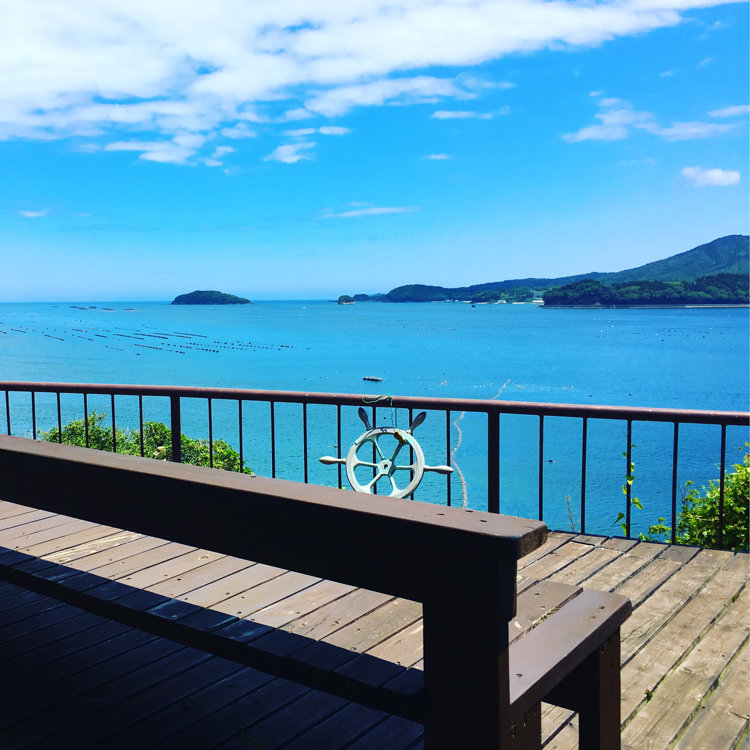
(74, 680)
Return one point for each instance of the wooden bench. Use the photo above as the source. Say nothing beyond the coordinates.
(477, 689)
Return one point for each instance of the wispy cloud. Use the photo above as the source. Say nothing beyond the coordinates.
(461, 114)
(371, 211)
(240, 130)
(700, 177)
(291, 153)
(33, 214)
(688, 131)
(167, 152)
(735, 111)
(438, 157)
(334, 130)
(617, 119)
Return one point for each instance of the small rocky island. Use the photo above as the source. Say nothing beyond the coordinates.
(209, 298)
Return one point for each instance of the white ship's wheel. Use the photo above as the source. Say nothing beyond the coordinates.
(393, 456)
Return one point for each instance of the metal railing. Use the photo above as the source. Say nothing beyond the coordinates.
(179, 396)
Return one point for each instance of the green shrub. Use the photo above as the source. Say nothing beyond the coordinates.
(157, 443)
(698, 520)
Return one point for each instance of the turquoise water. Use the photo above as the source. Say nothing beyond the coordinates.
(691, 358)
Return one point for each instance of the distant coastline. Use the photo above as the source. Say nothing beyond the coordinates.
(640, 307)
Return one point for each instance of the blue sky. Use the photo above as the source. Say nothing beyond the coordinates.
(301, 150)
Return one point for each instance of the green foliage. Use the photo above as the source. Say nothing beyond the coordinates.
(345, 299)
(698, 521)
(629, 479)
(157, 443)
(719, 289)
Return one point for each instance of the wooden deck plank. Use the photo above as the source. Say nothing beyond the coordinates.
(207, 572)
(123, 566)
(374, 627)
(104, 726)
(339, 729)
(329, 618)
(622, 568)
(217, 593)
(233, 719)
(87, 534)
(167, 569)
(665, 602)
(33, 523)
(556, 560)
(90, 547)
(647, 580)
(659, 656)
(61, 722)
(404, 647)
(301, 603)
(212, 697)
(265, 594)
(555, 539)
(658, 725)
(588, 565)
(9, 511)
(723, 718)
(120, 547)
(394, 733)
(284, 725)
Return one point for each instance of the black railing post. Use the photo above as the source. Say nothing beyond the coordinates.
(176, 426)
(722, 469)
(675, 442)
(541, 467)
(584, 449)
(628, 474)
(493, 462)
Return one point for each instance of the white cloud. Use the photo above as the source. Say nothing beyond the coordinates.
(438, 157)
(700, 177)
(338, 101)
(372, 211)
(300, 132)
(238, 131)
(614, 124)
(170, 73)
(688, 131)
(166, 152)
(33, 214)
(334, 130)
(705, 62)
(736, 111)
(289, 153)
(618, 119)
(462, 114)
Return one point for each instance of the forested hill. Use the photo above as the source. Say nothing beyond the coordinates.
(716, 289)
(724, 255)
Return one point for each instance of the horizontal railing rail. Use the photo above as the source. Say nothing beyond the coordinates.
(492, 409)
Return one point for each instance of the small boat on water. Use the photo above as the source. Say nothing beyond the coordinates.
(373, 378)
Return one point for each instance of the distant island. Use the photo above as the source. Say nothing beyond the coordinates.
(724, 256)
(209, 298)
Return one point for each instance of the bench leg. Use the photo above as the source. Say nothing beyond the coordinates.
(593, 690)
(527, 735)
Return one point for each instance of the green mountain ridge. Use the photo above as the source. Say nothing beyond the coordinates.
(728, 254)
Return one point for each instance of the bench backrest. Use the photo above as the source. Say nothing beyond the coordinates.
(460, 564)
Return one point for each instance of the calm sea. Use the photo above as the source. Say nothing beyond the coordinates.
(687, 358)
